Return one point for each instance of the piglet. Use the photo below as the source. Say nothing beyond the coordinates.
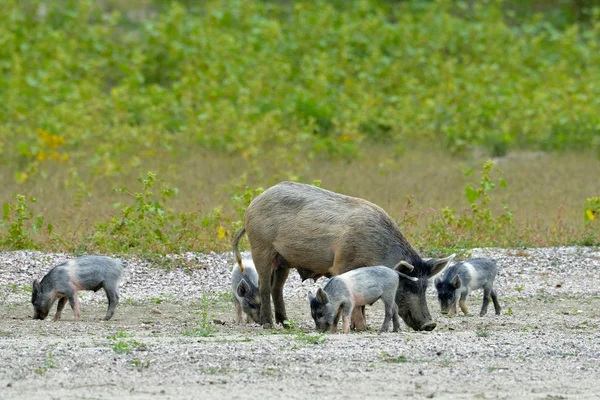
(459, 280)
(356, 288)
(64, 281)
(244, 290)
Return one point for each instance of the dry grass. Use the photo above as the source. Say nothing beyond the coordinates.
(545, 191)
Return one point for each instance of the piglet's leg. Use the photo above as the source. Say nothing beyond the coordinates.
(452, 311)
(345, 323)
(359, 321)
(463, 307)
(74, 303)
(113, 300)
(395, 318)
(462, 302)
(238, 311)
(59, 308)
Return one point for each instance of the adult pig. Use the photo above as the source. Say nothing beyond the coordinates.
(323, 233)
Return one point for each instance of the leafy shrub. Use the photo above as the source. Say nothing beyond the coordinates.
(21, 224)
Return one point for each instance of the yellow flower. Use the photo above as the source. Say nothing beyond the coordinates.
(221, 232)
(590, 214)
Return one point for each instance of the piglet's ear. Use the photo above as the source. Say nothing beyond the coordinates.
(456, 282)
(36, 285)
(437, 281)
(242, 288)
(322, 296)
(404, 267)
(311, 296)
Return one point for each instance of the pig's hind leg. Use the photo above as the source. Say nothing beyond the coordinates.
(389, 304)
(395, 317)
(280, 275)
(487, 291)
(61, 305)
(113, 300)
(496, 303)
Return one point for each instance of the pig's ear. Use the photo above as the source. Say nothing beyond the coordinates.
(35, 286)
(436, 265)
(404, 267)
(242, 288)
(322, 296)
(311, 296)
(456, 282)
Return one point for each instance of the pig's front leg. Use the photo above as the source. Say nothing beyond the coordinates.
(74, 303)
(347, 311)
(59, 308)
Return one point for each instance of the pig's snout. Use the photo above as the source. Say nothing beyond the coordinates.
(428, 326)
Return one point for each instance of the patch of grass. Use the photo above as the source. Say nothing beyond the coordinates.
(121, 346)
(310, 338)
(482, 333)
(244, 340)
(141, 365)
(49, 362)
(386, 357)
(204, 328)
(117, 335)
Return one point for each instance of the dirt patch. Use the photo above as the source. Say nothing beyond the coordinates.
(163, 343)
(541, 347)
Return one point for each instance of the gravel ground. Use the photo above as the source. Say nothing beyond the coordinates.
(173, 336)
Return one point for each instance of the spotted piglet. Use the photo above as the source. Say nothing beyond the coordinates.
(244, 290)
(359, 287)
(64, 281)
(459, 280)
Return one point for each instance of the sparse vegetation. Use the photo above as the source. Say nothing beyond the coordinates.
(311, 338)
(482, 333)
(204, 328)
(49, 362)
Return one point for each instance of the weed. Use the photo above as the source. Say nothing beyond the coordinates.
(393, 360)
(21, 224)
(117, 335)
(311, 338)
(482, 333)
(121, 346)
(140, 364)
(204, 328)
(478, 225)
(519, 288)
(49, 362)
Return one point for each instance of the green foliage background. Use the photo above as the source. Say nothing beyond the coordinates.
(100, 89)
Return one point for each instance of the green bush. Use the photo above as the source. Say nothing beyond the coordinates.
(86, 83)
